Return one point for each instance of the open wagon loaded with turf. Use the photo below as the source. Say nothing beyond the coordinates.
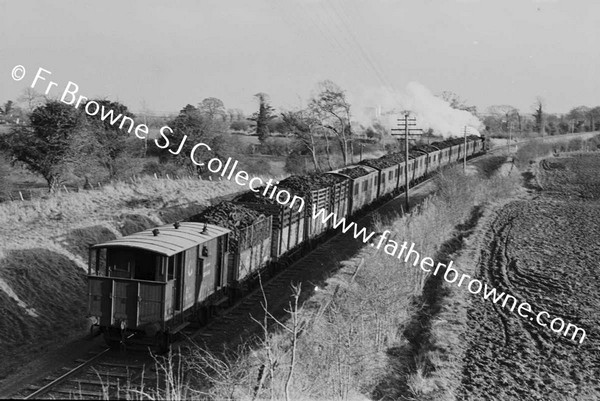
(293, 225)
(249, 241)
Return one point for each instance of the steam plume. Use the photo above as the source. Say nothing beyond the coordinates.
(429, 110)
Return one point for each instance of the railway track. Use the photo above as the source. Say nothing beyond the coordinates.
(101, 376)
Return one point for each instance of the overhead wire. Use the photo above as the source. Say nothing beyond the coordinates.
(356, 42)
(349, 22)
(337, 26)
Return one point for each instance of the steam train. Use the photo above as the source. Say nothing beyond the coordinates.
(149, 285)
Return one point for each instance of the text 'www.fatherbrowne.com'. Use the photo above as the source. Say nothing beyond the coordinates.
(451, 275)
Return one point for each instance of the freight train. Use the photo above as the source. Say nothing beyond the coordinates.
(150, 285)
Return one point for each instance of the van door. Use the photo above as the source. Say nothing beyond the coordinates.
(199, 277)
(175, 280)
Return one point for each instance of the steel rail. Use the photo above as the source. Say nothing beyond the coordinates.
(53, 383)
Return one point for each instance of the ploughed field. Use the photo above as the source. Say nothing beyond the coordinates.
(545, 251)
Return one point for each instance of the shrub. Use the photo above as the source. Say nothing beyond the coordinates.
(296, 163)
(161, 169)
(241, 125)
(575, 144)
(258, 166)
(5, 183)
(533, 150)
(274, 147)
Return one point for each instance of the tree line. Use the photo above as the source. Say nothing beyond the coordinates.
(60, 142)
(504, 119)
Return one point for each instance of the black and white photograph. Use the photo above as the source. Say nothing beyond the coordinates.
(300, 200)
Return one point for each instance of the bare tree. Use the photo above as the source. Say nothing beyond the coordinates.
(503, 117)
(540, 121)
(31, 98)
(579, 116)
(211, 107)
(294, 328)
(305, 126)
(333, 109)
(594, 117)
(235, 115)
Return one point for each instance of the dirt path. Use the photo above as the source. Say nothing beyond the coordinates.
(544, 251)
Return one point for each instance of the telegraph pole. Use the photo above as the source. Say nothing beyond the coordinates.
(509, 137)
(403, 125)
(465, 152)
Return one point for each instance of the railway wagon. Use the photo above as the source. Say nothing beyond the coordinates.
(363, 187)
(398, 158)
(417, 166)
(146, 284)
(249, 240)
(388, 169)
(340, 199)
(457, 149)
(432, 161)
(445, 152)
(320, 191)
(287, 224)
(317, 199)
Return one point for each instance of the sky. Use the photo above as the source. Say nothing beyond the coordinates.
(160, 56)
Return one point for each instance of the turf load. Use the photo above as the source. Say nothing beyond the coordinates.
(383, 162)
(249, 227)
(448, 143)
(396, 158)
(354, 172)
(426, 148)
(300, 185)
(304, 184)
(228, 215)
(255, 197)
